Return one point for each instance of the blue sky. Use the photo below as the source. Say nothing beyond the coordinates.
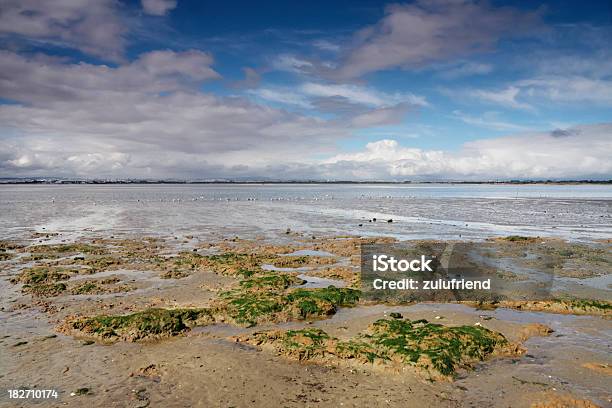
(363, 90)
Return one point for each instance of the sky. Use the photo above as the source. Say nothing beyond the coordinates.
(319, 90)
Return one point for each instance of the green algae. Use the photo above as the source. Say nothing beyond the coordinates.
(42, 274)
(434, 349)
(99, 287)
(564, 305)
(68, 249)
(234, 264)
(322, 301)
(586, 304)
(250, 307)
(331, 294)
(520, 238)
(432, 345)
(270, 280)
(253, 305)
(148, 324)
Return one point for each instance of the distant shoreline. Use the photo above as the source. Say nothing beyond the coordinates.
(307, 182)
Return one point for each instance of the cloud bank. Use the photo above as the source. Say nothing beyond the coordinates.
(169, 113)
(425, 32)
(93, 27)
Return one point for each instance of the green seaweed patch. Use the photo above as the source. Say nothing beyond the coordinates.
(309, 303)
(566, 305)
(249, 306)
(148, 324)
(434, 350)
(248, 264)
(331, 294)
(42, 274)
(588, 304)
(270, 280)
(433, 346)
(297, 261)
(99, 287)
(234, 264)
(66, 249)
(520, 238)
(101, 263)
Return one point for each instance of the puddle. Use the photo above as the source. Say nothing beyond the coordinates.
(597, 282)
(317, 282)
(309, 252)
(270, 267)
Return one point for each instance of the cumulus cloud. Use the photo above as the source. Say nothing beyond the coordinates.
(39, 80)
(158, 7)
(429, 31)
(93, 27)
(582, 152)
(145, 118)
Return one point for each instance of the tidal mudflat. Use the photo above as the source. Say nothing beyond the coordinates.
(251, 296)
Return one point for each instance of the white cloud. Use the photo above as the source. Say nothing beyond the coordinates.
(94, 27)
(291, 63)
(528, 93)
(142, 119)
(380, 116)
(488, 120)
(569, 89)
(282, 96)
(353, 105)
(41, 81)
(326, 45)
(581, 152)
(505, 97)
(361, 95)
(158, 7)
(428, 31)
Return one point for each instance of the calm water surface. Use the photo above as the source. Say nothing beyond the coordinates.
(580, 212)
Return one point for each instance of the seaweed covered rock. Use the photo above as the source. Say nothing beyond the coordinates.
(145, 325)
(255, 304)
(564, 306)
(434, 350)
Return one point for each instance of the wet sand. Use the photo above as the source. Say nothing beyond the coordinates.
(206, 367)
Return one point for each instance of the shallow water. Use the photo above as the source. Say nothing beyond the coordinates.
(579, 212)
(317, 282)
